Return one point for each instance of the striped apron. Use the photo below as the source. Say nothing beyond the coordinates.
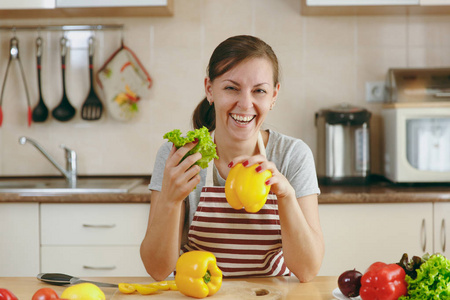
(245, 244)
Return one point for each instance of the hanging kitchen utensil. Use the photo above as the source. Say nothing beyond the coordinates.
(124, 81)
(64, 279)
(64, 111)
(14, 55)
(92, 107)
(40, 112)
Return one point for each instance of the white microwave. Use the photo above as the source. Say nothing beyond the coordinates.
(417, 142)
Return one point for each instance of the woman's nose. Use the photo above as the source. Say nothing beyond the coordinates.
(245, 100)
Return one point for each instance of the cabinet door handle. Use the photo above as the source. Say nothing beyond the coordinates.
(423, 235)
(99, 225)
(99, 268)
(443, 235)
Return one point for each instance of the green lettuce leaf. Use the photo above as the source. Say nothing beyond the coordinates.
(433, 280)
(205, 145)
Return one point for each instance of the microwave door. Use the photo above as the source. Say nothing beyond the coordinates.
(428, 144)
(418, 141)
(425, 140)
(439, 145)
(442, 145)
(412, 143)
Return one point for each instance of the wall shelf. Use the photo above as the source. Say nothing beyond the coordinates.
(87, 12)
(357, 10)
(63, 27)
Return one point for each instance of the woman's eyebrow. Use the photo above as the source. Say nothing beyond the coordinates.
(236, 83)
(232, 81)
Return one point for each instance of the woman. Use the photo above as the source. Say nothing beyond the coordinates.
(285, 236)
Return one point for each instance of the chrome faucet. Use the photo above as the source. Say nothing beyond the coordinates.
(70, 173)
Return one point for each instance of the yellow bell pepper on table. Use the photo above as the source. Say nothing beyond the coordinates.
(197, 274)
(148, 289)
(246, 188)
(127, 288)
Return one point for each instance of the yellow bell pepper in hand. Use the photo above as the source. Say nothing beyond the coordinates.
(197, 274)
(246, 188)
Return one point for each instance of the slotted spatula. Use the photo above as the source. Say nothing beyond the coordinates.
(92, 107)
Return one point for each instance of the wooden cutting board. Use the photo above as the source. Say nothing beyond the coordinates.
(230, 290)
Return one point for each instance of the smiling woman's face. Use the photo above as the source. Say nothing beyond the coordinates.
(242, 97)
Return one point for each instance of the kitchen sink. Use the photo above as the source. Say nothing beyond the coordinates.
(60, 186)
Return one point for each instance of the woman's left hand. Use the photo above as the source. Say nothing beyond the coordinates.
(280, 186)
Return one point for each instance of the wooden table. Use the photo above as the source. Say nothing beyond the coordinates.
(320, 288)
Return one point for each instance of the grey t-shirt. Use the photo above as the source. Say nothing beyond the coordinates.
(292, 157)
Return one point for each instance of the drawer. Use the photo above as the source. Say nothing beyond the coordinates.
(92, 261)
(93, 224)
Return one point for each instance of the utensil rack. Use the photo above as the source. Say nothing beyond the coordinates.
(63, 27)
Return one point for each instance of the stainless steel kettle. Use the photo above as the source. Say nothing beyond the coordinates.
(343, 144)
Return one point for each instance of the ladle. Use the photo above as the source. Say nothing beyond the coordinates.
(64, 111)
(40, 112)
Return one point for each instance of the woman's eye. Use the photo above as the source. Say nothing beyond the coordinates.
(261, 91)
(231, 88)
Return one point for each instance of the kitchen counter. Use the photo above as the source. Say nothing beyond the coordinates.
(138, 194)
(320, 288)
(378, 191)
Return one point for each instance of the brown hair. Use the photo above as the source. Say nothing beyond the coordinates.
(226, 56)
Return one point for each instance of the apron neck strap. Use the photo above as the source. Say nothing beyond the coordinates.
(261, 147)
(210, 170)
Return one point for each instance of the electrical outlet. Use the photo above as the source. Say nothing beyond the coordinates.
(375, 91)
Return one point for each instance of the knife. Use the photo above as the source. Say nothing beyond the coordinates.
(64, 279)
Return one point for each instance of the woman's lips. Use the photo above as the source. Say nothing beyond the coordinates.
(242, 119)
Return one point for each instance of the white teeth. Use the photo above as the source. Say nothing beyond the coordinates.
(242, 119)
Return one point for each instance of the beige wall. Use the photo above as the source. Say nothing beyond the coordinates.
(324, 60)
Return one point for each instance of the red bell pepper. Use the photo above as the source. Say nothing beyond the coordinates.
(383, 282)
(7, 295)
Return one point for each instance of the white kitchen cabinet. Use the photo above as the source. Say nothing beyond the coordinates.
(37, 4)
(357, 235)
(88, 261)
(109, 3)
(85, 8)
(374, 7)
(19, 239)
(93, 224)
(434, 2)
(442, 228)
(27, 4)
(374, 2)
(360, 2)
(93, 239)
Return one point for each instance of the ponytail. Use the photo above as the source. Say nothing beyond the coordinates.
(204, 115)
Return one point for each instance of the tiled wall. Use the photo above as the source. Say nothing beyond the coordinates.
(325, 60)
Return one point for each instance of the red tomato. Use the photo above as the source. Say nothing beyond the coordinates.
(45, 294)
(7, 295)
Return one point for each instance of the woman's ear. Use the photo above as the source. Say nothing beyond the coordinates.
(275, 95)
(275, 91)
(208, 90)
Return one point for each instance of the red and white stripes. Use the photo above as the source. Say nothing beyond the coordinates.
(243, 243)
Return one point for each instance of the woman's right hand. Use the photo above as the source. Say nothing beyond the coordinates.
(160, 248)
(180, 177)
